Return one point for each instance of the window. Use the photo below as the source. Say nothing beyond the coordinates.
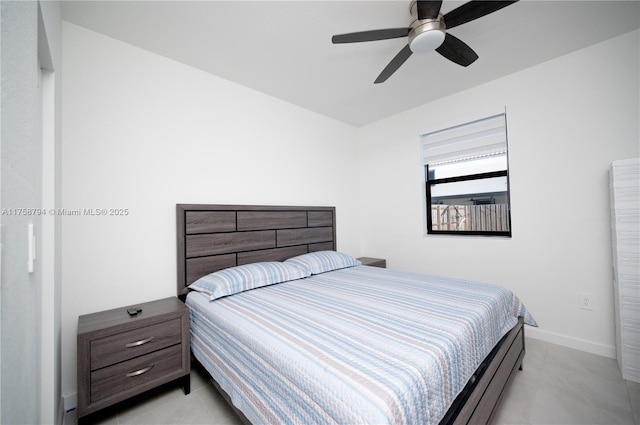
(467, 179)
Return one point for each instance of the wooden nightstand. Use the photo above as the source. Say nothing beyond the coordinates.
(374, 262)
(120, 356)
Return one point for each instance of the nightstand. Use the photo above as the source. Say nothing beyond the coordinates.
(120, 356)
(373, 262)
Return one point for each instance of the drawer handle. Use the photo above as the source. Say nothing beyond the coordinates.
(139, 372)
(139, 343)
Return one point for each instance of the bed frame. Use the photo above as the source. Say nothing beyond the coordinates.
(214, 237)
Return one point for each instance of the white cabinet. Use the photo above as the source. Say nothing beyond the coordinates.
(624, 183)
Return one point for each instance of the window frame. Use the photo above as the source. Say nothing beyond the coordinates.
(468, 177)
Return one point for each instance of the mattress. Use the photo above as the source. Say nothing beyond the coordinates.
(360, 345)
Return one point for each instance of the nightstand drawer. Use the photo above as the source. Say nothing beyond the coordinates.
(127, 345)
(122, 376)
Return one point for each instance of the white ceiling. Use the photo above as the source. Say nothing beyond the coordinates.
(284, 49)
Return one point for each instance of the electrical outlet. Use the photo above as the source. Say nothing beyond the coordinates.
(586, 301)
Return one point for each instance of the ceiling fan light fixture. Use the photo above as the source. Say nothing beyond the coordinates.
(426, 36)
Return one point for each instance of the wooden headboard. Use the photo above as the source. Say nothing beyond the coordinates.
(214, 237)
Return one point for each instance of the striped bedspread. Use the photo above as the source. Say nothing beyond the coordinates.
(361, 345)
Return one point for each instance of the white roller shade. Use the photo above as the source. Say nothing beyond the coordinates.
(477, 139)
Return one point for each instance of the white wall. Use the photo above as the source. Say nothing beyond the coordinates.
(568, 119)
(142, 132)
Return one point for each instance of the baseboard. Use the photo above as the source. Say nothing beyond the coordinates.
(572, 342)
(70, 401)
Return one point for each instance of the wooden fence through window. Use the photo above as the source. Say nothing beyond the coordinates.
(486, 218)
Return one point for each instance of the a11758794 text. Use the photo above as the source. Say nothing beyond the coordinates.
(97, 212)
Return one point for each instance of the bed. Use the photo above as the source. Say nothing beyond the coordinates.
(300, 333)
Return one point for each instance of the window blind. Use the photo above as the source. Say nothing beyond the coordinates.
(477, 139)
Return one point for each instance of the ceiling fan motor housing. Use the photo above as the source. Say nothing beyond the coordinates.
(426, 35)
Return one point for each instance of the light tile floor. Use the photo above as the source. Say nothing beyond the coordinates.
(557, 386)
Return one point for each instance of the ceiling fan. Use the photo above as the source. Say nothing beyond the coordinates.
(428, 32)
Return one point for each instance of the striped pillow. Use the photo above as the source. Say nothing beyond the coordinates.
(323, 261)
(243, 278)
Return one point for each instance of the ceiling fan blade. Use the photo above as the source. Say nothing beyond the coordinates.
(457, 51)
(373, 35)
(429, 9)
(395, 63)
(473, 10)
